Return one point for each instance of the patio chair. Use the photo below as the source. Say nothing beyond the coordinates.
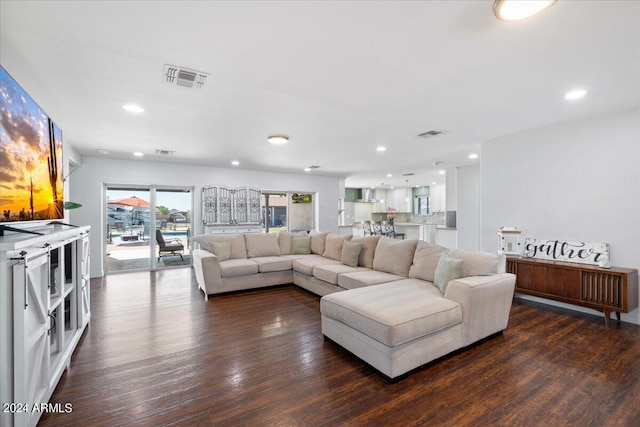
(171, 246)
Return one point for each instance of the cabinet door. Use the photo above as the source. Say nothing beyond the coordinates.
(84, 294)
(31, 338)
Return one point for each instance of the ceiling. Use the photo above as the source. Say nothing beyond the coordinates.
(340, 78)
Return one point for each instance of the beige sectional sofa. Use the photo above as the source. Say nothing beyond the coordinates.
(396, 304)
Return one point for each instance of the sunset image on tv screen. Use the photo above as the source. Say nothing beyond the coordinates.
(31, 186)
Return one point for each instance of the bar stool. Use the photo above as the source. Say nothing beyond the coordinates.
(376, 228)
(390, 231)
(366, 227)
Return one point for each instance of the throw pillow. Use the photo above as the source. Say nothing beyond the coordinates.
(300, 245)
(479, 263)
(333, 246)
(284, 241)
(369, 244)
(351, 253)
(221, 249)
(236, 242)
(425, 261)
(262, 244)
(448, 269)
(318, 242)
(394, 256)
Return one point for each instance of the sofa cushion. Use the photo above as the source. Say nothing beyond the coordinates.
(284, 242)
(333, 246)
(425, 261)
(330, 273)
(262, 244)
(479, 263)
(317, 242)
(448, 269)
(268, 264)
(393, 313)
(301, 245)
(351, 253)
(360, 279)
(222, 250)
(394, 256)
(305, 265)
(238, 267)
(236, 242)
(369, 244)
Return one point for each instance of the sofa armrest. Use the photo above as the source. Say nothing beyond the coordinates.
(207, 269)
(486, 304)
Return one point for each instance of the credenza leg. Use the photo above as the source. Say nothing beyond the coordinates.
(607, 317)
(618, 315)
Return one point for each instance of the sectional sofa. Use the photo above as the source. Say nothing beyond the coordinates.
(396, 304)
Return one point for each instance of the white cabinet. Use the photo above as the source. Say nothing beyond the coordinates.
(45, 306)
(228, 229)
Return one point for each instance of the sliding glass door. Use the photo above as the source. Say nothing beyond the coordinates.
(147, 227)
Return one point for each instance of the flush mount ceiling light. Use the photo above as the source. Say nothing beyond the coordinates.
(278, 139)
(133, 108)
(575, 94)
(517, 10)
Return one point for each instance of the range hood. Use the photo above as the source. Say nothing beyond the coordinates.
(365, 195)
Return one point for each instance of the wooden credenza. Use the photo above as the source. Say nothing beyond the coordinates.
(606, 290)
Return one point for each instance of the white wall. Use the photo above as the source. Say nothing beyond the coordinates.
(468, 207)
(576, 181)
(87, 189)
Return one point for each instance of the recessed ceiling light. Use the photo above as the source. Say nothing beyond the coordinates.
(433, 183)
(133, 108)
(389, 175)
(381, 149)
(441, 172)
(278, 139)
(473, 156)
(138, 154)
(307, 169)
(516, 10)
(373, 188)
(392, 187)
(235, 162)
(574, 94)
(103, 151)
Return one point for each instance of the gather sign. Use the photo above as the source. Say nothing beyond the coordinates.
(564, 250)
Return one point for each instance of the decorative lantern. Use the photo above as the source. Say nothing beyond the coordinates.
(509, 241)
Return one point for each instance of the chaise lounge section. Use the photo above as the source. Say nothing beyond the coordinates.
(396, 304)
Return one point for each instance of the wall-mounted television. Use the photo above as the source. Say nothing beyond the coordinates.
(31, 169)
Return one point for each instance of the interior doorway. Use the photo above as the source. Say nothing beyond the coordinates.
(147, 227)
(275, 207)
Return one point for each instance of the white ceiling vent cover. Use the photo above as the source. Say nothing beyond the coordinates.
(161, 152)
(431, 133)
(185, 77)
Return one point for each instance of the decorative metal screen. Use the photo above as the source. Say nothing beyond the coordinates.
(223, 205)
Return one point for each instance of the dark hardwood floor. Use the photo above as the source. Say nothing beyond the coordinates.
(155, 353)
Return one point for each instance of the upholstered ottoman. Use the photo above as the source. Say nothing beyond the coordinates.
(395, 327)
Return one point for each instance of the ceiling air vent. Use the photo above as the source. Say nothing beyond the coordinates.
(408, 174)
(185, 77)
(164, 152)
(431, 133)
(314, 167)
